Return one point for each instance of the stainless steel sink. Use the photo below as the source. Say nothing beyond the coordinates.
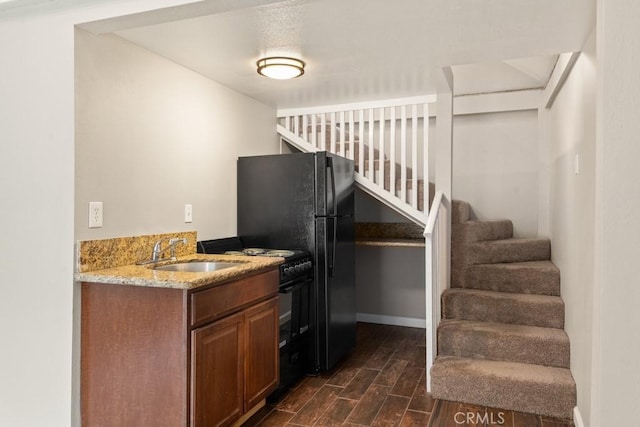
(197, 266)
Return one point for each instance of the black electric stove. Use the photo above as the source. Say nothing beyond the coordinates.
(297, 264)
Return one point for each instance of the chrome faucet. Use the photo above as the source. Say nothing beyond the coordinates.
(159, 250)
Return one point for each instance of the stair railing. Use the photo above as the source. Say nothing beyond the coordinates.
(388, 141)
(436, 266)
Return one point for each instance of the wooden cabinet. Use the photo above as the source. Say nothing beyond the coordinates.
(217, 372)
(261, 356)
(171, 357)
(234, 364)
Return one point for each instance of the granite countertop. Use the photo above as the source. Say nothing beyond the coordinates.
(145, 275)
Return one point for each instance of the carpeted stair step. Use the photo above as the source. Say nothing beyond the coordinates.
(387, 173)
(387, 169)
(460, 211)
(355, 150)
(512, 386)
(533, 277)
(503, 307)
(409, 189)
(481, 230)
(501, 341)
(508, 250)
(328, 128)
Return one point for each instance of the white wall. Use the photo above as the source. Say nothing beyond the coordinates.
(571, 122)
(36, 265)
(617, 370)
(390, 281)
(36, 171)
(495, 164)
(495, 169)
(37, 175)
(152, 136)
(368, 209)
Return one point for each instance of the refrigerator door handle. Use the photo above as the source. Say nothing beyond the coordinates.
(332, 262)
(333, 186)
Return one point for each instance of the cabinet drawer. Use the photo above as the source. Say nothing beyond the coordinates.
(216, 302)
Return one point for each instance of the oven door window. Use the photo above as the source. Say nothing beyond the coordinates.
(294, 311)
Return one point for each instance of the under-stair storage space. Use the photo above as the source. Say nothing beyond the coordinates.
(390, 273)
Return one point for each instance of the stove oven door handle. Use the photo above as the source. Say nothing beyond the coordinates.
(294, 287)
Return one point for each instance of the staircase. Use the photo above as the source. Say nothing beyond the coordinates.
(387, 140)
(501, 342)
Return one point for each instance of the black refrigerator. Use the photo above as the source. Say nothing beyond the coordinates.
(306, 201)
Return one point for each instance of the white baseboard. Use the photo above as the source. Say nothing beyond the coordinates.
(391, 320)
(577, 418)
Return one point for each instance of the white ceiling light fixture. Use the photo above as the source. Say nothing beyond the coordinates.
(280, 67)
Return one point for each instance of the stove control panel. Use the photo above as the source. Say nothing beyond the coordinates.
(293, 269)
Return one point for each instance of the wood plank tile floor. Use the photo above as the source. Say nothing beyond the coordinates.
(382, 383)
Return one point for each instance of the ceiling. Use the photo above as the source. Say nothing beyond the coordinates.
(359, 50)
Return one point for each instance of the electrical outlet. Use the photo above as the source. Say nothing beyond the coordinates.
(188, 213)
(95, 214)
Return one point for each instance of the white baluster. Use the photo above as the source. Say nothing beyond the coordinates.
(392, 151)
(403, 153)
(414, 156)
(425, 158)
(361, 142)
(333, 133)
(314, 131)
(343, 139)
(352, 146)
(305, 125)
(323, 132)
(371, 159)
(381, 150)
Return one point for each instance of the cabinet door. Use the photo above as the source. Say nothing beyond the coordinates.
(217, 374)
(261, 354)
